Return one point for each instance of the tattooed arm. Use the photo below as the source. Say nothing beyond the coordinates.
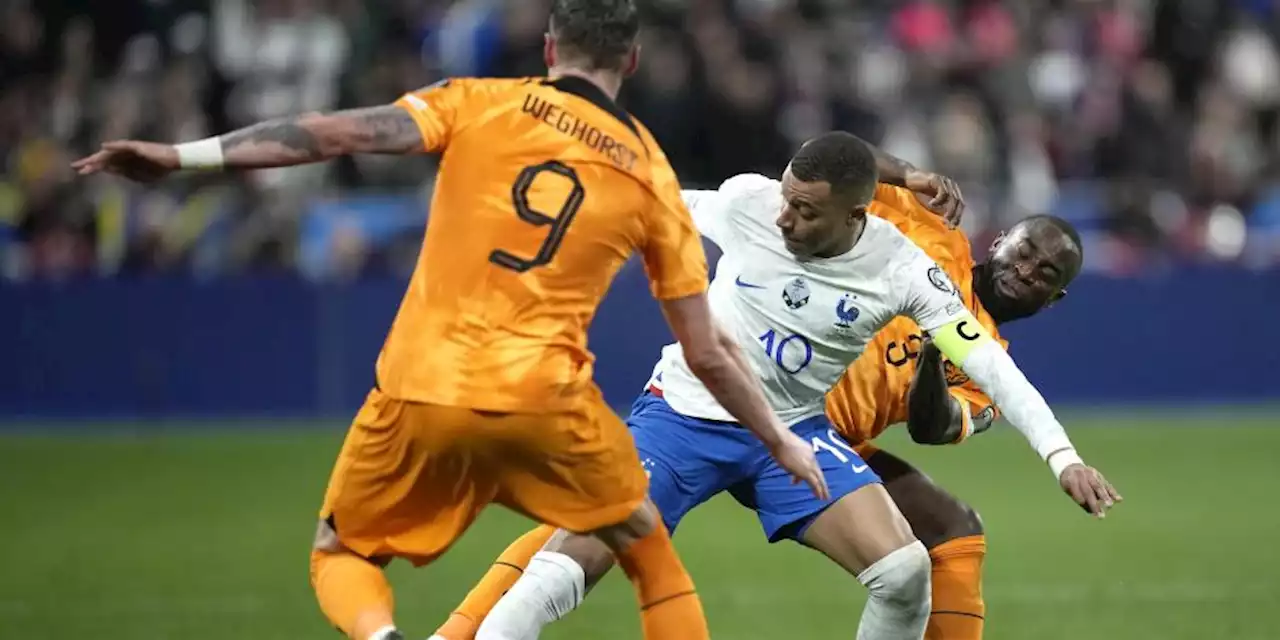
(300, 139)
(315, 137)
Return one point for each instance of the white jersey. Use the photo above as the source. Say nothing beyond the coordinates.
(800, 322)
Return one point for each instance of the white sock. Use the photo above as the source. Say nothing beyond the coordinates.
(899, 601)
(551, 586)
(383, 633)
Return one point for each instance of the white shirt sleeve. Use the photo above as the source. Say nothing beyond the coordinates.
(967, 344)
(741, 202)
(929, 296)
(710, 211)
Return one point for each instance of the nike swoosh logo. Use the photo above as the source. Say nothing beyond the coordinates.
(747, 285)
(859, 468)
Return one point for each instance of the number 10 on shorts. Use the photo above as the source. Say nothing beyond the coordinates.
(833, 444)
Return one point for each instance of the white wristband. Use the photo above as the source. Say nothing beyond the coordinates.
(201, 154)
(1061, 459)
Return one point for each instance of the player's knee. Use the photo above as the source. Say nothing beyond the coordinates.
(643, 520)
(969, 523)
(958, 520)
(588, 552)
(639, 524)
(901, 578)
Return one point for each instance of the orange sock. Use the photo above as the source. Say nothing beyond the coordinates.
(466, 619)
(669, 606)
(958, 609)
(353, 592)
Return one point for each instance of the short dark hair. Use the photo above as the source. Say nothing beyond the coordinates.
(840, 159)
(601, 31)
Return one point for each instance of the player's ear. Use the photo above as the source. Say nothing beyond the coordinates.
(548, 50)
(995, 244)
(633, 61)
(858, 212)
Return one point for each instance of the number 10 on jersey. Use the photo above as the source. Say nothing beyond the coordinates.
(792, 352)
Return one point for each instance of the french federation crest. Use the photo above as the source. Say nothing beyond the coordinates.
(796, 293)
(846, 313)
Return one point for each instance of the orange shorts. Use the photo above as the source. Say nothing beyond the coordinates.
(412, 477)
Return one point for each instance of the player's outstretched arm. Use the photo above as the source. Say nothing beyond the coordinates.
(313, 137)
(714, 358)
(931, 300)
(294, 140)
(967, 344)
(934, 416)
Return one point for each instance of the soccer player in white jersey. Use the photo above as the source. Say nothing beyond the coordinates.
(805, 281)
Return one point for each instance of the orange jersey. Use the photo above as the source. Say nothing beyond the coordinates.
(546, 187)
(872, 395)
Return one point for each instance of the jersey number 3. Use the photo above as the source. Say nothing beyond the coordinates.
(556, 226)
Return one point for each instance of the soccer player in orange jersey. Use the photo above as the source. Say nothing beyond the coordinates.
(484, 386)
(903, 378)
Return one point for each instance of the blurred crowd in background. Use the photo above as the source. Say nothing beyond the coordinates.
(1153, 125)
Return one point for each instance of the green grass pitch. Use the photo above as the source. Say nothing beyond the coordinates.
(203, 534)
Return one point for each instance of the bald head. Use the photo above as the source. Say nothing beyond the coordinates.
(1057, 234)
(1030, 267)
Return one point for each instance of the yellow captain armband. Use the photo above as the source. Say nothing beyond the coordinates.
(958, 338)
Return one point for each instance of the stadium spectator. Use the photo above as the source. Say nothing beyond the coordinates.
(1151, 124)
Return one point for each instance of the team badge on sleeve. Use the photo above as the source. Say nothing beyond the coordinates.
(796, 293)
(938, 278)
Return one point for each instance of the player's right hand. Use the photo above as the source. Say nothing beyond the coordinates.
(796, 455)
(1089, 489)
(133, 159)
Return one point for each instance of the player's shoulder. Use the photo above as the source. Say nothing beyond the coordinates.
(491, 86)
(646, 136)
(471, 86)
(903, 258)
(748, 184)
(464, 94)
(905, 210)
(750, 192)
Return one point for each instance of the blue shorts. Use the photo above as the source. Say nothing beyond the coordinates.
(689, 460)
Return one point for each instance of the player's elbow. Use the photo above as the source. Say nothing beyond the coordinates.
(712, 355)
(931, 427)
(710, 362)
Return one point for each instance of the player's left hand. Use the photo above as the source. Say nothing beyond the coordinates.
(1089, 489)
(944, 194)
(133, 159)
